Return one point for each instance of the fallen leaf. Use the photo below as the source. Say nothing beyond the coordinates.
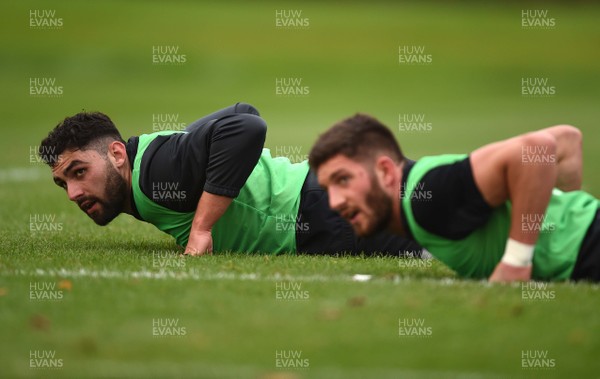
(329, 314)
(357, 301)
(65, 284)
(39, 322)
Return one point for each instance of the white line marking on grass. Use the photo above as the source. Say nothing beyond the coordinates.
(362, 277)
(23, 174)
(177, 275)
(194, 274)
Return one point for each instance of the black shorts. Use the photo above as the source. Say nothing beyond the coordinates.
(321, 230)
(587, 266)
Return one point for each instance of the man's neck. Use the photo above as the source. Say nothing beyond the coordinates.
(396, 225)
(128, 207)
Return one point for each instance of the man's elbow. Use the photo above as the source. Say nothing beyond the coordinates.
(538, 143)
(568, 130)
(535, 152)
(255, 128)
(246, 108)
(568, 133)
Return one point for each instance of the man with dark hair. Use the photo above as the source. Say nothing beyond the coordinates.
(212, 186)
(510, 210)
(92, 133)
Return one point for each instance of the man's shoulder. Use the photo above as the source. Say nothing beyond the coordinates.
(430, 162)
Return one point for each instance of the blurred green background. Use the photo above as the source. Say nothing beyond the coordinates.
(347, 56)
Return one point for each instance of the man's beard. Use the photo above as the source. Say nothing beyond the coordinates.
(380, 205)
(115, 193)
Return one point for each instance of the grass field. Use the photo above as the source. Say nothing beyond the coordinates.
(118, 292)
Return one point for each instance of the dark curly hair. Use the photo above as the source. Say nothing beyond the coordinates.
(359, 137)
(83, 131)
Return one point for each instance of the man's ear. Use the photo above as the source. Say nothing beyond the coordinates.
(386, 171)
(117, 153)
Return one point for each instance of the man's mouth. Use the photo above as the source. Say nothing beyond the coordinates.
(351, 216)
(87, 205)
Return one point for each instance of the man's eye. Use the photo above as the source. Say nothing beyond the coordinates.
(343, 180)
(80, 172)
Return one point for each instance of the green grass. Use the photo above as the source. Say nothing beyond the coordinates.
(234, 324)
(102, 327)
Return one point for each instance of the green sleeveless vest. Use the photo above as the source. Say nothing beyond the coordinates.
(261, 219)
(567, 219)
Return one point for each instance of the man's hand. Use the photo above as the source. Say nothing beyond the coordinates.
(505, 272)
(199, 243)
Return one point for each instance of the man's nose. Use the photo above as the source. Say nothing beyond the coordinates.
(336, 199)
(74, 191)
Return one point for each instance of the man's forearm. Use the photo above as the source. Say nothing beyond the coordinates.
(210, 209)
(522, 171)
(530, 180)
(529, 188)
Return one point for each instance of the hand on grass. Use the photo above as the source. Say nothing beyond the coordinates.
(199, 243)
(509, 273)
